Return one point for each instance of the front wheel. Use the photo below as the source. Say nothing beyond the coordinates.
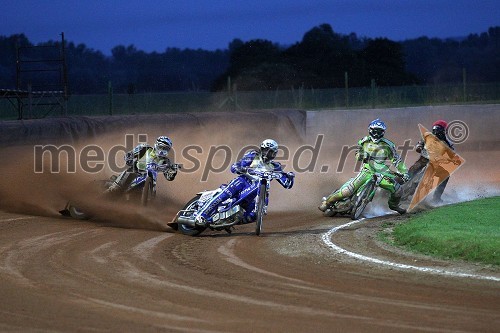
(362, 199)
(147, 191)
(261, 208)
(188, 210)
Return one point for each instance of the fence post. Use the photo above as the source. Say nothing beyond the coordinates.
(110, 95)
(232, 97)
(464, 82)
(235, 94)
(346, 82)
(373, 88)
(30, 101)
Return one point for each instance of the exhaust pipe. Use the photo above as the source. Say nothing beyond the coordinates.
(186, 221)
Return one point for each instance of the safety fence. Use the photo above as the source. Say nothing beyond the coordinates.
(233, 100)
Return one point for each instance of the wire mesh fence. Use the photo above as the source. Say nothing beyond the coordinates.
(233, 100)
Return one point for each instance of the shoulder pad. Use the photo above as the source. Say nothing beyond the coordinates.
(388, 142)
(276, 165)
(363, 140)
(140, 149)
(250, 153)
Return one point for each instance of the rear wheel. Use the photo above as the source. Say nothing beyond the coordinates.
(192, 205)
(261, 208)
(76, 213)
(411, 185)
(329, 213)
(408, 189)
(362, 200)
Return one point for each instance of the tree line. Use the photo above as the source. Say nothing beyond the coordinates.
(320, 60)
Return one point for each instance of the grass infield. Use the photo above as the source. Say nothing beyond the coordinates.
(467, 231)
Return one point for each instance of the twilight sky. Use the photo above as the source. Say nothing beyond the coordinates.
(154, 25)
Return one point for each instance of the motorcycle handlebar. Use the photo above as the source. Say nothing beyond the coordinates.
(265, 174)
(394, 175)
(165, 167)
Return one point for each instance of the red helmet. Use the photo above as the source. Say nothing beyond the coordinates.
(439, 129)
(441, 123)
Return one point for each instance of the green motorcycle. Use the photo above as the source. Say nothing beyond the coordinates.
(357, 202)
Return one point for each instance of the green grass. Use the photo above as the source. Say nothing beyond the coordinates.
(467, 231)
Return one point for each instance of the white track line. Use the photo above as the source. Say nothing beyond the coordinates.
(327, 240)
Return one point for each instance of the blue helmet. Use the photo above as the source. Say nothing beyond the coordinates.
(376, 129)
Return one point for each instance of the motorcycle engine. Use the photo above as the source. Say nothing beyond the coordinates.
(342, 205)
(230, 216)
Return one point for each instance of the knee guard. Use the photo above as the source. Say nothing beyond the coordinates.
(344, 191)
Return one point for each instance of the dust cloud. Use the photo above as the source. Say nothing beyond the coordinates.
(316, 148)
(41, 182)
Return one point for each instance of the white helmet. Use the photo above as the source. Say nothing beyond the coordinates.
(268, 150)
(162, 146)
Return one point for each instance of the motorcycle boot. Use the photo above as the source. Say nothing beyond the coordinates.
(251, 217)
(438, 192)
(345, 191)
(398, 209)
(323, 206)
(200, 221)
(394, 200)
(113, 188)
(122, 181)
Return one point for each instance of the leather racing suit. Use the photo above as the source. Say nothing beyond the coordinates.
(137, 161)
(374, 155)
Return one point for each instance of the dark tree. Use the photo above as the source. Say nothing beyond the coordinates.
(385, 64)
(319, 60)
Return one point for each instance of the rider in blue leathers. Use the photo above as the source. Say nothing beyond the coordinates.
(263, 158)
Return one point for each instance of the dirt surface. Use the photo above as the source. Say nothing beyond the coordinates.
(126, 271)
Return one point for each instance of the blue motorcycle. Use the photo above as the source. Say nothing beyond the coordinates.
(141, 189)
(249, 206)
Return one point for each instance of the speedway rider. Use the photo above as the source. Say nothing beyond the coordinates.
(263, 158)
(439, 131)
(140, 158)
(373, 151)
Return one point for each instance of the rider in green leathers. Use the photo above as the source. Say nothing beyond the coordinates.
(374, 150)
(140, 157)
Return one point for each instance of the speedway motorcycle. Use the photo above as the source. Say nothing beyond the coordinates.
(142, 189)
(233, 211)
(357, 202)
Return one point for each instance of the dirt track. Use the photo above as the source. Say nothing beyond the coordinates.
(128, 273)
